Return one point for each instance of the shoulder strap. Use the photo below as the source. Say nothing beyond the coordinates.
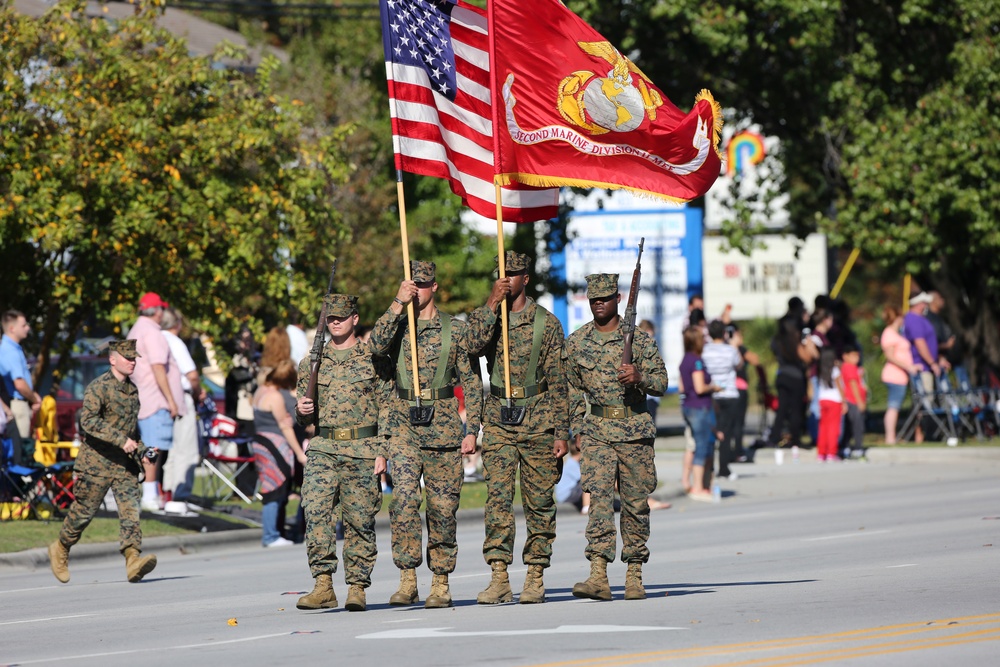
(536, 345)
(441, 375)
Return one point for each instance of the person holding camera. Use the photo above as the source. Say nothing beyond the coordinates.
(109, 459)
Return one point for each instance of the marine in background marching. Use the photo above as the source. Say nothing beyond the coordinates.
(609, 410)
(109, 459)
(345, 456)
(527, 431)
(427, 442)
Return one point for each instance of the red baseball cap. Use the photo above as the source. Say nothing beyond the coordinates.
(151, 300)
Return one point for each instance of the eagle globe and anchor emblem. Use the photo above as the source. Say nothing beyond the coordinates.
(617, 102)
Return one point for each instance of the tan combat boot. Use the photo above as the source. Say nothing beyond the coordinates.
(633, 582)
(407, 593)
(534, 589)
(596, 587)
(355, 598)
(136, 566)
(59, 560)
(440, 596)
(499, 589)
(322, 595)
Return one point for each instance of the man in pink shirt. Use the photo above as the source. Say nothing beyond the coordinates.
(160, 394)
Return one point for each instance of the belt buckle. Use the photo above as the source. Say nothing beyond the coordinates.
(342, 434)
(617, 413)
(425, 394)
(517, 392)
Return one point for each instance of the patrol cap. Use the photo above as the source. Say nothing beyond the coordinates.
(422, 272)
(340, 305)
(600, 285)
(514, 262)
(126, 348)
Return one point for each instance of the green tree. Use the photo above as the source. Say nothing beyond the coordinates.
(128, 165)
(921, 176)
(887, 111)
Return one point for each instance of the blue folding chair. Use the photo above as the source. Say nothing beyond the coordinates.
(932, 408)
(24, 493)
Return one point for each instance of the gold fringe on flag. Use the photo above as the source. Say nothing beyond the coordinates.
(540, 181)
(706, 94)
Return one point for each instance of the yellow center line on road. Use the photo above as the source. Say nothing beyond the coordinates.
(959, 631)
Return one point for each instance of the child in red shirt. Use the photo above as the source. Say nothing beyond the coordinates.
(856, 395)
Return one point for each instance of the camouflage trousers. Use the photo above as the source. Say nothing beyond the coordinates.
(631, 464)
(538, 479)
(330, 480)
(90, 490)
(442, 472)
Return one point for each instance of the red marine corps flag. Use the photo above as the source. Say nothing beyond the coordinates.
(571, 110)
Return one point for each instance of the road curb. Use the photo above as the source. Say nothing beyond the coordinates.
(33, 559)
(964, 453)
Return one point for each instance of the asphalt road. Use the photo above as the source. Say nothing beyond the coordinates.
(888, 563)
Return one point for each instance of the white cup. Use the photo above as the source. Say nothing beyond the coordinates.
(779, 456)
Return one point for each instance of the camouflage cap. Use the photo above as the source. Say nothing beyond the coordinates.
(600, 285)
(514, 262)
(126, 348)
(340, 305)
(422, 272)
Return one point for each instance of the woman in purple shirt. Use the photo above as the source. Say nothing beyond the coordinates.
(696, 403)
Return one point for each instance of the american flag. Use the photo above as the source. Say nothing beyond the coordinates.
(437, 63)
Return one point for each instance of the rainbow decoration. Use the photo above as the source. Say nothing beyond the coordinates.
(745, 148)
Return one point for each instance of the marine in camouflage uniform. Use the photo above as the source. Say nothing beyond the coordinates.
(610, 413)
(108, 459)
(432, 450)
(535, 445)
(344, 458)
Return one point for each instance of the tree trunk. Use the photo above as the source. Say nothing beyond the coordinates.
(972, 317)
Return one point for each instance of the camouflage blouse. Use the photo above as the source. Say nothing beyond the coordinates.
(108, 418)
(592, 362)
(390, 337)
(354, 388)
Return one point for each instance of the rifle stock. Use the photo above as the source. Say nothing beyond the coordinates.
(316, 354)
(628, 322)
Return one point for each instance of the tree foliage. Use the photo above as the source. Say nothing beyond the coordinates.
(128, 165)
(887, 111)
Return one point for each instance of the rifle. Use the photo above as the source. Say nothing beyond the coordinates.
(317, 349)
(628, 324)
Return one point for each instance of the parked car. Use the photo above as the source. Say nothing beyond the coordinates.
(83, 369)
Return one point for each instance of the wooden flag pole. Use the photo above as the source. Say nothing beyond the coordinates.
(411, 317)
(501, 261)
(906, 293)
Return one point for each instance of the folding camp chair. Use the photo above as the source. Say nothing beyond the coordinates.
(220, 455)
(929, 406)
(55, 455)
(23, 491)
